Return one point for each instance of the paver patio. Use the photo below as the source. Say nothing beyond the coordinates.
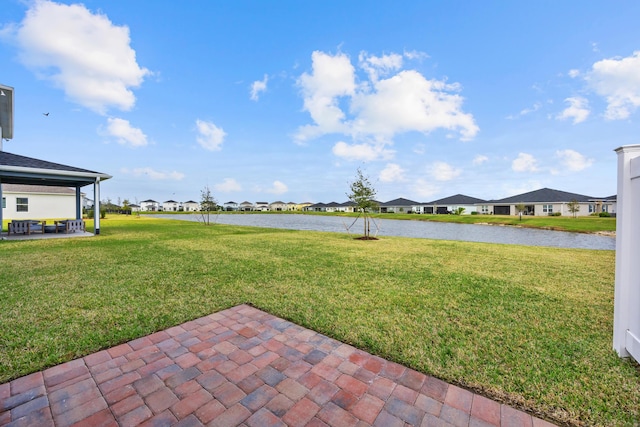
(243, 367)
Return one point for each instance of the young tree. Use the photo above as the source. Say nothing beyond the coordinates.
(126, 208)
(519, 209)
(574, 207)
(208, 204)
(362, 194)
(459, 211)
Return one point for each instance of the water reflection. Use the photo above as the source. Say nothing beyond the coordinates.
(416, 229)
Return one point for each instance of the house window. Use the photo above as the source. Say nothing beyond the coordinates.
(22, 204)
(484, 209)
(592, 208)
(4, 202)
(548, 209)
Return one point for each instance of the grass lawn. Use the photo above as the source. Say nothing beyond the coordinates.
(528, 326)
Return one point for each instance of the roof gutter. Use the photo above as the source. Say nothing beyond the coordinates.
(102, 176)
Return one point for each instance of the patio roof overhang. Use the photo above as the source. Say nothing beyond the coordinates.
(16, 169)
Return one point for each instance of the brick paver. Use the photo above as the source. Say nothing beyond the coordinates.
(243, 367)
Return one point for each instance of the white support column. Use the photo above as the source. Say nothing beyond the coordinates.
(626, 314)
(96, 207)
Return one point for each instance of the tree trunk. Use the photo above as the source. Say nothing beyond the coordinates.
(365, 223)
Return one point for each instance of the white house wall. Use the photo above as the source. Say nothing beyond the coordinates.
(40, 206)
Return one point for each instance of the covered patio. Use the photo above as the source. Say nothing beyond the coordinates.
(16, 169)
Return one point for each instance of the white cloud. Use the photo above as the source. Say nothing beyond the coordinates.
(154, 174)
(420, 149)
(376, 66)
(573, 161)
(228, 185)
(480, 159)
(278, 188)
(409, 102)
(257, 87)
(392, 173)
(210, 136)
(441, 171)
(424, 188)
(414, 54)
(524, 163)
(362, 152)
(574, 73)
(332, 77)
(533, 109)
(525, 111)
(378, 108)
(578, 110)
(618, 81)
(83, 53)
(124, 133)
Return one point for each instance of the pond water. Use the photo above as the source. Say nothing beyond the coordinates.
(416, 229)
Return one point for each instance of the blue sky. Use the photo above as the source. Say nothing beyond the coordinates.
(266, 101)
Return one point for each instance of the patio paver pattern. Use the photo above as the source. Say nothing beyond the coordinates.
(243, 367)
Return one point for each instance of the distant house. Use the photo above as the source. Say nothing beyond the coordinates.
(261, 206)
(302, 206)
(346, 207)
(134, 207)
(603, 204)
(37, 201)
(231, 206)
(291, 206)
(450, 204)
(332, 207)
(170, 206)
(316, 207)
(246, 206)
(149, 206)
(398, 206)
(191, 206)
(278, 206)
(547, 201)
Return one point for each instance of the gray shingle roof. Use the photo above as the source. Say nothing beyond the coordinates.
(9, 159)
(399, 202)
(458, 199)
(544, 195)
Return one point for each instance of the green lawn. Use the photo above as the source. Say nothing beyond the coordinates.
(529, 326)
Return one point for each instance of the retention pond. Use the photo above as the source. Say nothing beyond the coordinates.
(415, 229)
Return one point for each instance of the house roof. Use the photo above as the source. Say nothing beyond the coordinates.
(148, 201)
(458, 199)
(190, 201)
(399, 202)
(544, 195)
(170, 201)
(20, 188)
(16, 169)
